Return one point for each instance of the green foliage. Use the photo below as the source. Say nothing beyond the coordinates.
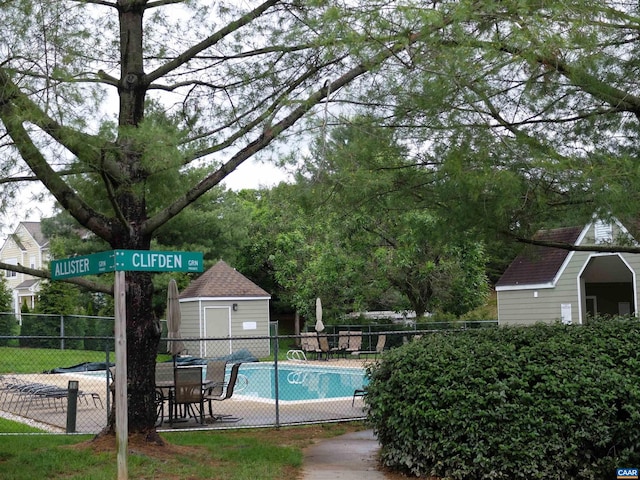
(61, 298)
(34, 325)
(8, 323)
(379, 233)
(56, 300)
(8, 327)
(511, 403)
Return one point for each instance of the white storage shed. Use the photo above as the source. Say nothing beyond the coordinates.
(223, 306)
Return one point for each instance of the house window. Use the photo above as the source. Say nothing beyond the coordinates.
(32, 261)
(603, 232)
(9, 273)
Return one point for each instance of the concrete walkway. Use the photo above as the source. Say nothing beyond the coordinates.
(347, 457)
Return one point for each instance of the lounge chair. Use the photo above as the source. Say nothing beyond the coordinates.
(343, 342)
(325, 349)
(309, 343)
(358, 392)
(340, 349)
(382, 339)
(224, 395)
(187, 392)
(355, 341)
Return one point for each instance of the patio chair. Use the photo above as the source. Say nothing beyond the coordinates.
(164, 383)
(164, 374)
(187, 392)
(224, 395)
(214, 377)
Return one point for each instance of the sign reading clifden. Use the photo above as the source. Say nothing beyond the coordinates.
(127, 260)
(155, 261)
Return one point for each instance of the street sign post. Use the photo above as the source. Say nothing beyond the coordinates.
(121, 261)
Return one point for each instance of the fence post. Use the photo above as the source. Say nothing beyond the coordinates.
(275, 372)
(61, 332)
(72, 405)
(107, 375)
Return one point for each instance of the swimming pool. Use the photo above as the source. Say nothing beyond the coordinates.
(296, 383)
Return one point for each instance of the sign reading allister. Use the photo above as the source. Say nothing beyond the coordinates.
(127, 260)
(93, 264)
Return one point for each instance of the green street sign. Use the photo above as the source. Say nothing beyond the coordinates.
(157, 261)
(127, 260)
(93, 264)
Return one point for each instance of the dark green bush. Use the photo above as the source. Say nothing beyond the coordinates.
(542, 402)
(8, 327)
(41, 326)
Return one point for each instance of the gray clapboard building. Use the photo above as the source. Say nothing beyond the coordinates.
(548, 285)
(224, 304)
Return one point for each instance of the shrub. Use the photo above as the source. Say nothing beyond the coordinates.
(519, 403)
(40, 326)
(8, 327)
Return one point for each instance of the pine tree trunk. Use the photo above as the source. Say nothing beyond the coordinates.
(143, 331)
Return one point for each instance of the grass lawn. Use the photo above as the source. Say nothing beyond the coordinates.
(36, 360)
(256, 454)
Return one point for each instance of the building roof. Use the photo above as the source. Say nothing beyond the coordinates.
(539, 265)
(35, 231)
(221, 280)
(27, 284)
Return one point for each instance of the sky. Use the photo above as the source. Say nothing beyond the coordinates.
(255, 174)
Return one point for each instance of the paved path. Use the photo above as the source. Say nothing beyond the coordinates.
(347, 457)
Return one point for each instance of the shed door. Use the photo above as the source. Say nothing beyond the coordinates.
(217, 325)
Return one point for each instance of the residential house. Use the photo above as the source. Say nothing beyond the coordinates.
(26, 246)
(545, 284)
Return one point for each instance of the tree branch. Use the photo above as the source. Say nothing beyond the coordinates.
(97, 2)
(188, 54)
(601, 248)
(605, 92)
(44, 274)
(11, 114)
(269, 134)
(160, 3)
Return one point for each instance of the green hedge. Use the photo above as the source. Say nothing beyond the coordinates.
(542, 402)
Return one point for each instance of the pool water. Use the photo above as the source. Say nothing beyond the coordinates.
(296, 382)
(300, 382)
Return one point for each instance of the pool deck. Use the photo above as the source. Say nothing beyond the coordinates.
(92, 413)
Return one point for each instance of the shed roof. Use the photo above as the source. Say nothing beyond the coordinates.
(539, 265)
(221, 280)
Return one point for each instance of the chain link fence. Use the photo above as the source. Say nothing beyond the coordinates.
(280, 380)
